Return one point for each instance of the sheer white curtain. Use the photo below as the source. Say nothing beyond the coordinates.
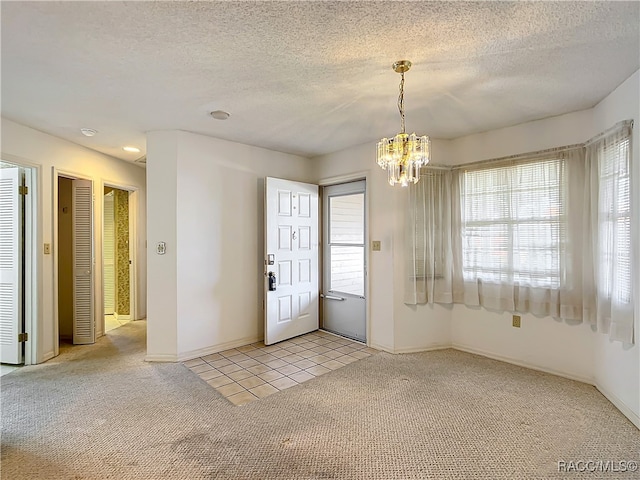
(517, 246)
(547, 233)
(608, 196)
(428, 265)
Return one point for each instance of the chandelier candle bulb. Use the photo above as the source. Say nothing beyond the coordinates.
(403, 155)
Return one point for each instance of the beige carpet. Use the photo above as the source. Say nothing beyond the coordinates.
(101, 412)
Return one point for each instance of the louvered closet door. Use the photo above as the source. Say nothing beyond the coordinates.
(83, 323)
(10, 349)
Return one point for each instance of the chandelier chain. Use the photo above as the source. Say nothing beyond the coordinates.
(401, 102)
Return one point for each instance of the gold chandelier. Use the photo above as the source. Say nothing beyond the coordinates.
(403, 155)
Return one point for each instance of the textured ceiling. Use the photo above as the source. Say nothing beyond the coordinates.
(306, 77)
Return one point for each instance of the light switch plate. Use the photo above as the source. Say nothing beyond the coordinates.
(375, 245)
(47, 249)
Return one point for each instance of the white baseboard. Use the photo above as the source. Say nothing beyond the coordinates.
(381, 347)
(620, 405)
(161, 358)
(421, 349)
(408, 349)
(520, 363)
(221, 347)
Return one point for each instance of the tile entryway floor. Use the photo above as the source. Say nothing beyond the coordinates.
(245, 374)
(111, 322)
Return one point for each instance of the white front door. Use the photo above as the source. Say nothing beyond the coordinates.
(291, 259)
(344, 302)
(10, 266)
(82, 219)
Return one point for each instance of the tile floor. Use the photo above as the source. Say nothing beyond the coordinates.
(111, 322)
(245, 374)
(5, 368)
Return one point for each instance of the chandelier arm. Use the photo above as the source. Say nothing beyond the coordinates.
(401, 102)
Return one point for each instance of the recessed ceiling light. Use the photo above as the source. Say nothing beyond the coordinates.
(88, 132)
(131, 149)
(220, 114)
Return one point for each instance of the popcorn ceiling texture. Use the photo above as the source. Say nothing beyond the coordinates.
(100, 411)
(307, 77)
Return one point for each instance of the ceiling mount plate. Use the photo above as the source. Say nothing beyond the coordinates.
(402, 66)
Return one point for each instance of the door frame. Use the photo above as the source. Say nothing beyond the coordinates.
(337, 180)
(32, 263)
(133, 250)
(56, 173)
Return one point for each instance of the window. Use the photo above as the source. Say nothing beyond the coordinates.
(547, 233)
(513, 223)
(346, 243)
(614, 229)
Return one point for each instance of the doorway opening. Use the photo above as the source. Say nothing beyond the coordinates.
(65, 262)
(344, 256)
(117, 259)
(75, 264)
(85, 290)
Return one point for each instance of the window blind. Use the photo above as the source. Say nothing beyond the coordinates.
(513, 223)
(614, 230)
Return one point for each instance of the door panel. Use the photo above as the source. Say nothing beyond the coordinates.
(82, 208)
(344, 303)
(10, 267)
(291, 240)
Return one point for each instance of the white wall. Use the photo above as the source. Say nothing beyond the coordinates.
(551, 132)
(617, 366)
(542, 343)
(214, 231)
(162, 286)
(30, 147)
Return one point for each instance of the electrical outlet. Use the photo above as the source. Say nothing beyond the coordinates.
(375, 245)
(47, 249)
(516, 321)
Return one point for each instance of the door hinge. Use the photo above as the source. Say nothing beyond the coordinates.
(23, 337)
(23, 190)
